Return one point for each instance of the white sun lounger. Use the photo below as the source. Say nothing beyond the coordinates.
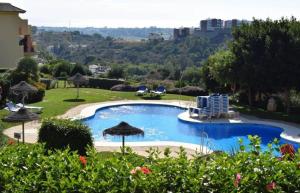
(31, 108)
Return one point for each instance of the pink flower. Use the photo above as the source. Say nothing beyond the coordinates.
(134, 171)
(271, 186)
(144, 170)
(237, 180)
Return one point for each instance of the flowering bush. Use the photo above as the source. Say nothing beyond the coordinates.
(143, 170)
(26, 168)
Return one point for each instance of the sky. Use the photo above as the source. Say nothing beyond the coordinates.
(146, 13)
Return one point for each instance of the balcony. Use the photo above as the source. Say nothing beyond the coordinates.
(28, 47)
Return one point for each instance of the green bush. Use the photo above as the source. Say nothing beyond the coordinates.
(26, 168)
(189, 91)
(104, 83)
(60, 134)
(124, 88)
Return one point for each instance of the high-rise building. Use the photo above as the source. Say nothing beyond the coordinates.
(179, 33)
(211, 24)
(203, 25)
(15, 36)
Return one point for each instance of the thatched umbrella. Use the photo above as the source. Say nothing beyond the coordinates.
(77, 80)
(23, 115)
(123, 129)
(23, 88)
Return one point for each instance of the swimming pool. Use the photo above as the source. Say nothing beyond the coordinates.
(160, 123)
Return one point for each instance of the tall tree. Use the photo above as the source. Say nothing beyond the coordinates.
(267, 56)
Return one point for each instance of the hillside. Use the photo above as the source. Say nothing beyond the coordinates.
(88, 49)
(124, 33)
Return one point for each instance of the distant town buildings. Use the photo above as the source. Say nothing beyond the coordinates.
(156, 37)
(211, 24)
(209, 27)
(98, 69)
(219, 24)
(180, 33)
(15, 36)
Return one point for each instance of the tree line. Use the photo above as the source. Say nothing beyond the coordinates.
(262, 59)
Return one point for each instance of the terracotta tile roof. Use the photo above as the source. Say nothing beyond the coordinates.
(7, 7)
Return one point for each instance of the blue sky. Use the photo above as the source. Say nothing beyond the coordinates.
(145, 13)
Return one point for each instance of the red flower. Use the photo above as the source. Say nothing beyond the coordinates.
(83, 160)
(287, 149)
(271, 186)
(143, 169)
(237, 180)
(10, 142)
(146, 170)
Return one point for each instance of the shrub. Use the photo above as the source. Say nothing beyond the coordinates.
(26, 168)
(79, 68)
(4, 83)
(29, 67)
(60, 134)
(104, 83)
(39, 95)
(189, 91)
(62, 69)
(45, 68)
(123, 87)
(116, 71)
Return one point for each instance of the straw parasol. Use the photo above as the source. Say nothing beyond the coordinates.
(78, 79)
(23, 115)
(123, 129)
(23, 88)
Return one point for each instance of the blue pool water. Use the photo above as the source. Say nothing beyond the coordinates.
(160, 123)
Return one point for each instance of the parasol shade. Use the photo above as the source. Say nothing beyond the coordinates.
(23, 87)
(78, 79)
(22, 115)
(123, 129)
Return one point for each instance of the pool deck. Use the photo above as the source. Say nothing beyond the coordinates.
(291, 131)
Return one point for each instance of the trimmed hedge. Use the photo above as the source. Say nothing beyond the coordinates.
(124, 87)
(26, 168)
(104, 83)
(61, 133)
(189, 91)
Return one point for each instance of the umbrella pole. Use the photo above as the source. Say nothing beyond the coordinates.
(23, 133)
(77, 91)
(23, 100)
(123, 144)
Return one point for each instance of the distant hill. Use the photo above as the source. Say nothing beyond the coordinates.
(89, 49)
(123, 33)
